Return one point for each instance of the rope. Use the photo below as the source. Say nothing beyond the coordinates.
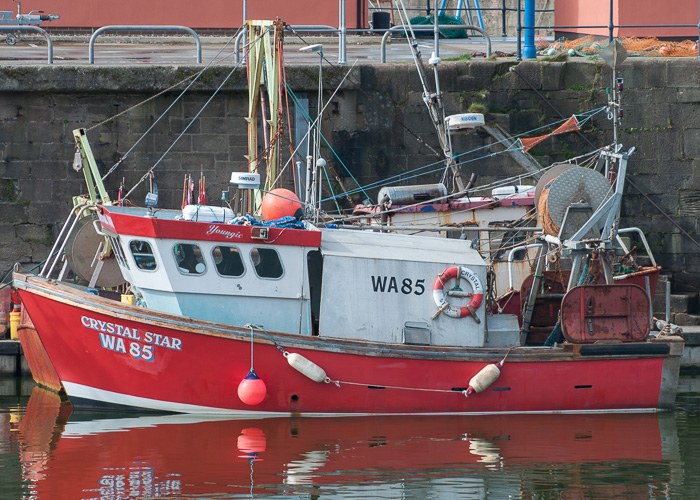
(259, 327)
(397, 387)
(550, 227)
(287, 222)
(359, 384)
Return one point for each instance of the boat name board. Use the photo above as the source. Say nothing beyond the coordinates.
(229, 235)
(112, 337)
(106, 220)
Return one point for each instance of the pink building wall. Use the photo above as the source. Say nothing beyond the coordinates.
(203, 14)
(628, 12)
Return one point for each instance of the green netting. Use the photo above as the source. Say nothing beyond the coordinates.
(442, 19)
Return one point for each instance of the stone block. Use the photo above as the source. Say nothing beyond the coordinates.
(688, 95)
(686, 281)
(661, 144)
(13, 213)
(579, 73)
(33, 233)
(653, 116)
(683, 73)
(638, 96)
(691, 143)
(8, 364)
(163, 143)
(48, 212)
(646, 73)
(683, 319)
(554, 76)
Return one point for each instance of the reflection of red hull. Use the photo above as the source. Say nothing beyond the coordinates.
(200, 365)
(187, 456)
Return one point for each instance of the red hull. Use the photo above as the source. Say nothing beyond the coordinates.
(200, 366)
(189, 457)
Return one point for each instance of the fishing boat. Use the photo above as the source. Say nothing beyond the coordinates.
(235, 313)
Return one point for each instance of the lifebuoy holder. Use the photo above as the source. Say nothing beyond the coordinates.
(439, 294)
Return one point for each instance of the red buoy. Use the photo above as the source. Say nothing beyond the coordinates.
(280, 203)
(251, 443)
(252, 390)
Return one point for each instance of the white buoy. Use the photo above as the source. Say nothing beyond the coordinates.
(306, 367)
(486, 376)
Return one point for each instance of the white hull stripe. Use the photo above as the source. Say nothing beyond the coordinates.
(116, 398)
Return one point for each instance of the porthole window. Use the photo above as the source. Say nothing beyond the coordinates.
(143, 255)
(266, 262)
(189, 259)
(228, 261)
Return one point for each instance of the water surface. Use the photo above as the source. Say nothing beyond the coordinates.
(49, 451)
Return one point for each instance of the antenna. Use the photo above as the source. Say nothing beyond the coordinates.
(613, 55)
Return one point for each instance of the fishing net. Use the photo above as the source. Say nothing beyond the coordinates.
(647, 47)
(570, 125)
(442, 19)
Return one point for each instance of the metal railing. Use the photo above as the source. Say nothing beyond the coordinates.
(98, 32)
(310, 28)
(37, 30)
(425, 28)
(611, 26)
(504, 11)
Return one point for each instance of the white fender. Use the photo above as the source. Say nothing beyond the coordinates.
(486, 376)
(306, 367)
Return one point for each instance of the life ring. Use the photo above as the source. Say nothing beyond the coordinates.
(441, 301)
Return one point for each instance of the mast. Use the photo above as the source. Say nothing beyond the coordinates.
(263, 80)
(433, 99)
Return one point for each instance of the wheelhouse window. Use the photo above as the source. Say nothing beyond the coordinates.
(267, 263)
(189, 259)
(143, 255)
(118, 250)
(228, 261)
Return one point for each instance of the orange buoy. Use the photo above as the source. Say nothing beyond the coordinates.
(280, 203)
(252, 389)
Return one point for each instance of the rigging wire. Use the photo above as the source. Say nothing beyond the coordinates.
(230, 74)
(313, 124)
(590, 156)
(194, 79)
(510, 148)
(373, 100)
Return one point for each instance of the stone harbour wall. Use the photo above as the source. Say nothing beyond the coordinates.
(376, 122)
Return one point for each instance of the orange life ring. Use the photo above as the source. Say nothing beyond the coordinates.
(439, 292)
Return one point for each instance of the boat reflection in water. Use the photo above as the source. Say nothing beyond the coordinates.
(524, 456)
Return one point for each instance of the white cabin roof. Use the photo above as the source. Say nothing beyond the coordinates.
(391, 246)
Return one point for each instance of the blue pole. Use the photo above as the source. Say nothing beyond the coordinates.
(529, 50)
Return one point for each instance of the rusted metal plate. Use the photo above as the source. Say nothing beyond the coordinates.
(38, 360)
(552, 288)
(605, 312)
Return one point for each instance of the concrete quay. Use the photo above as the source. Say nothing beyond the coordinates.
(691, 353)
(128, 50)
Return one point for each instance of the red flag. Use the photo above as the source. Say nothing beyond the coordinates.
(202, 199)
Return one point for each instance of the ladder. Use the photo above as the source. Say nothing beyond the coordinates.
(466, 5)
